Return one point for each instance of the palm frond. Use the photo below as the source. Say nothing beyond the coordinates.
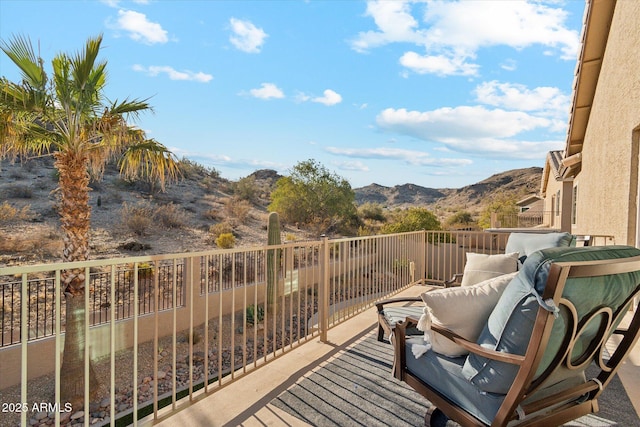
(149, 160)
(131, 107)
(83, 62)
(20, 50)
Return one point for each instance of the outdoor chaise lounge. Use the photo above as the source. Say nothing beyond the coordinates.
(560, 314)
(393, 310)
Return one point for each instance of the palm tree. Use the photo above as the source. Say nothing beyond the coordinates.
(66, 115)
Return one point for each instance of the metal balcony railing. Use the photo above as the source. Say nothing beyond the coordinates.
(160, 328)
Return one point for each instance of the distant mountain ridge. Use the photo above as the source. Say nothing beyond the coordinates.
(517, 183)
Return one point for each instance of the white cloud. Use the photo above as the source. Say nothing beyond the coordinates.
(451, 33)
(227, 161)
(438, 64)
(474, 130)
(246, 36)
(545, 99)
(140, 28)
(110, 3)
(447, 123)
(355, 166)
(395, 22)
(412, 157)
(301, 97)
(173, 74)
(509, 65)
(469, 25)
(267, 91)
(329, 98)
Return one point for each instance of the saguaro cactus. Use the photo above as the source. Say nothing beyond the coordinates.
(273, 257)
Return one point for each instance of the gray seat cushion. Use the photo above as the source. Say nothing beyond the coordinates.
(395, 314)
(444, 374)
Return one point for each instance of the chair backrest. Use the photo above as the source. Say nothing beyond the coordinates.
(527, 243)
(559, 312)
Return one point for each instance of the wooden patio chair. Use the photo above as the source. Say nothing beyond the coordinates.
(559, 315)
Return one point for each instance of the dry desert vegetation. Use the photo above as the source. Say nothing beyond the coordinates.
(133, 218)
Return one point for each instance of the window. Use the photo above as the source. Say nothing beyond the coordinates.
(558, 203)
(574, 209)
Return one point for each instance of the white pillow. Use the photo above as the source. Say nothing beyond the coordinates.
(480, 267)
(463, 310)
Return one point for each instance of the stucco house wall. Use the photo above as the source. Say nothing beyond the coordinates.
(608, 180)
(551, 204)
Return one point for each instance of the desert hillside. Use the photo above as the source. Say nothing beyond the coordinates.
(131, 218)
(516, 183)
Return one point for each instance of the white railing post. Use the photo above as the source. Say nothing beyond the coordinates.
(423, 255)
(323, 292)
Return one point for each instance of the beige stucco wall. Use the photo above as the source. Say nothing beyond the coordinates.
(605, 203)
(550, 217)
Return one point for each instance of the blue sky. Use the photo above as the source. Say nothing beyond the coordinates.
(435, 93)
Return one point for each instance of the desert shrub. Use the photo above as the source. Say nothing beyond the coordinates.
(194, 336)
(137, 218)
(245, 188)
(237, 208)
(412, 219)
(365, 231)
(9, 213)
(226, 241)
(255, 314)
(124, 184)
(43, 184)
(208, 183)
(112, 197)
(502, 204)
(210, 214)
(169, 216)
(460, 219)
(220, 228)
(17, 173)
(19, 191)
(372, 211)
(313, 196)
(39, 243)
(193, 170)
(146, 270)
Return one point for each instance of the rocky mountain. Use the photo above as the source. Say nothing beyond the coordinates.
(517, 183)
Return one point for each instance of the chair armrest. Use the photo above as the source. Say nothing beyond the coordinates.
(380, 304)
(475, 348)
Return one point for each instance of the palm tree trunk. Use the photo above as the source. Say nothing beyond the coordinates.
(72, 374)
(75, 214)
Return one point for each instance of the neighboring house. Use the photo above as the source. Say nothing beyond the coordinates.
(531, 211)
(551, 191)
(593, 183)
(532, 203)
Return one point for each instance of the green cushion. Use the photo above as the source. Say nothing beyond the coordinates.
(511, 322)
